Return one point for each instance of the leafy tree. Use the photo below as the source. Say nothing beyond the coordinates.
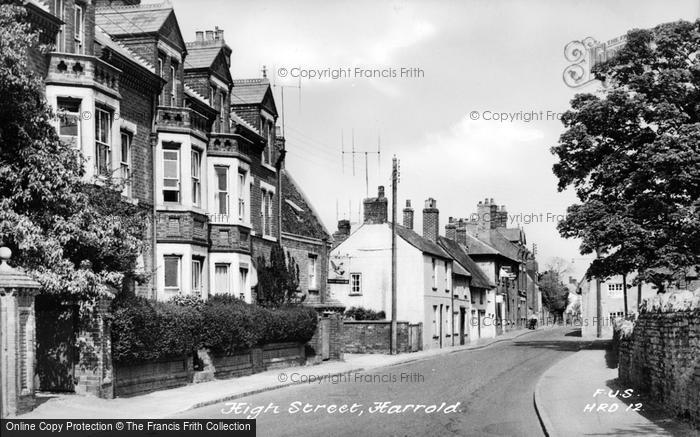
(555, 295)
(278, 280)
(75, 237)
(632, 154)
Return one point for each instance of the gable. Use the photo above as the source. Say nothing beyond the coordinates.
(220, 67)
(171, 30)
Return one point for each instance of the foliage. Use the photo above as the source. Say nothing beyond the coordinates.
(144, 330)
(76, 238)
(632, 154)
(278, 280)
(360, 313)
(555, 295)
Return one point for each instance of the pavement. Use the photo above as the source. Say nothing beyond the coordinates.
(580, 395)
(166, 403)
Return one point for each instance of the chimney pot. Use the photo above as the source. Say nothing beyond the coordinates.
(492, 200)
(408, 203)
(380, 191)
(199, 36)
(210, 35)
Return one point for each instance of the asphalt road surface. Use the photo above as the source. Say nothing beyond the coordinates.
(493, 386)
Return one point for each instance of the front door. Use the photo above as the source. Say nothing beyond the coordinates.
(462, 323)
(56, 327)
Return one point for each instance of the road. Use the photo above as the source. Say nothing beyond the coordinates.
(494, 387)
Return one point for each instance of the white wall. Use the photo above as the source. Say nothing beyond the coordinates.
(185, 252)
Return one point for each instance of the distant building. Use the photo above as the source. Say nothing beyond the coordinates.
(612, 298)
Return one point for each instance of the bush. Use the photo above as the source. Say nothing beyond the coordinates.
(143, 330)
(151, 331)
(359, 313)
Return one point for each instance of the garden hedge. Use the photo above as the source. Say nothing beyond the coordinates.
(143, 330)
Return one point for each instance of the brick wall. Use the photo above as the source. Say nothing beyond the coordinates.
(335, 325)
(93, 372)
(301, 252)
(362, 337)
(147, 377)
(662, 358)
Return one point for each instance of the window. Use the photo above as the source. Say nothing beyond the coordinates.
(221, 279)
(221, 199)
(243, 281)
(447, 319)
(197, 277)
(125, 162)
(436, 318)
(241, 194)
(172, 273)
(79, 29)
(103, 140)
(266, 212)
(160, 74)
(447, 276)
(615, 290)
(69, 121)
(173, 86)
(171, 175)
(60, 36)
(481, 296)
(212, 94)
(222, 111)
(196, 175)
(313, 283)
(434, 274)
(270, 143)
(355, 283)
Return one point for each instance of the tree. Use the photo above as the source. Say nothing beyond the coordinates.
(76, 238)
(632, 153)
(278, 280)
(555, 295)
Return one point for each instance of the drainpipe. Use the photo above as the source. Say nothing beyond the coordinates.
(154, 147)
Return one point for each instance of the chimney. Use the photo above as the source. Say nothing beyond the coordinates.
(218, 33)
(461, 235)
(431, 222)
(199, 36)
(408, 215)
(342, 233)
(451, 229)
(487, 215)
(502, 221)
(376, 208)
(210, 35)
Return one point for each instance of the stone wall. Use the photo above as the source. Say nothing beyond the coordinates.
(374, 336)
(662, 358)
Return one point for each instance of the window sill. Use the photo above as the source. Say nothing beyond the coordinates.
(355, 294)
(130, 199)
(269, 238)
(269, 167)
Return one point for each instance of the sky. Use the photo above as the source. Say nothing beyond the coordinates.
(463, 63)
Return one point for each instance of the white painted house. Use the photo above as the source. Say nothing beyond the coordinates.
(425, 291)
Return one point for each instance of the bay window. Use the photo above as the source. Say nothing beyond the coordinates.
(68, 117)
(241, 194)
(221, 278)
(197, 277)
(171, 175)
(103, 141)
(125, 162)
(221, 194)
(196, 177)
(172, 273)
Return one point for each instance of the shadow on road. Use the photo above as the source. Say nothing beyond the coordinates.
(558, 345)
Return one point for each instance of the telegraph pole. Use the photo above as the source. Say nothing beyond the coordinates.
(394, 183)
(599, 303)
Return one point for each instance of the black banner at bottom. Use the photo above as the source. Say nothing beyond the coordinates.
(127, 427)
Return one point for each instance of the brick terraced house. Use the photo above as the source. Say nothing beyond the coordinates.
(197, 149)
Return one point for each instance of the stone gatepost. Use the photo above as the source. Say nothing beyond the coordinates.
(17, 338)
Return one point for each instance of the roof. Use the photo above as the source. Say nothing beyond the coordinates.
(133, 19)
(459, 254)
(504, 246)
(512, 234)
(298, 215)
(474, 246)
(192, 93)
(420, 242)
(249, 91)
(201, 57)
(105, 40)
(239, 120)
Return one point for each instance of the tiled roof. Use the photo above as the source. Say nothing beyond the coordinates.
(105, 40)
(459, 254)
(504, 246)
(475, 246)
(239, 120)
(420, 242)
(249, 91)
(201, 57)
(132, 19)
(298, 215)
(512, 234)
(190, 92)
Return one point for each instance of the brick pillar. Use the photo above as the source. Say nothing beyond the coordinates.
(94, 371)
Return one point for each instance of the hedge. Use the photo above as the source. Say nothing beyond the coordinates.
(360, 313)
(143, 330)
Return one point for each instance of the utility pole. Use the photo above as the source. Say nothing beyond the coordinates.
(394, 183)
(599, 303)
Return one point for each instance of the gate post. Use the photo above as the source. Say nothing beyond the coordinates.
(94, 373)
(17, 338)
